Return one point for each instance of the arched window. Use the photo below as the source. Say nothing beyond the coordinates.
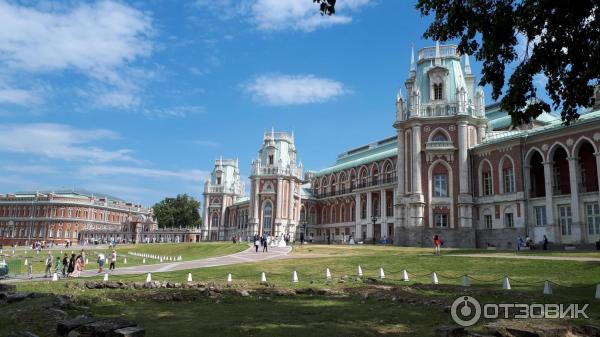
(353, 213)
(267, 218)
(215, 220)
(439, 137)
(508, 176)
(333, 214)
(438, 89)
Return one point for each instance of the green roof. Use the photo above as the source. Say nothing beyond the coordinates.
(70, 193)
(382, 149)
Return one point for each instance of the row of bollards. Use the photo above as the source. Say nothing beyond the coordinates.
(328, 276)
(161, 258)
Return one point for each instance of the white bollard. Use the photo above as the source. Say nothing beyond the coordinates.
(598, 291)
(405, 275)
(229, 278)
(144, 261)
(360, 273)
(505, 283)
(547, 288)
(60, 252)
(105, 277)
(149, 278)
(26, 262)
(328, 274)
(294, 277)
(87, 261)
(161, 260)
(381, 273)
(55, 277)
(263, 278)
(189, 277)
(434, 278)
(180, 258)
(38, 252)
(466, 281)
(125, 261)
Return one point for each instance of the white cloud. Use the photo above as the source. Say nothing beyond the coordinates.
(281, 90)
(91, 37)
(185, 175)
(58, 141)
(177, 111)
(29, 169)
(99, 41)
(18, 97)
(275, 15)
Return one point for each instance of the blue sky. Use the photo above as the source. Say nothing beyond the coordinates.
(137, 99)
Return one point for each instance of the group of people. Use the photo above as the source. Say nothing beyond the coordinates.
(262, 241)
(528, 243)
(68, 266)
(102, 260)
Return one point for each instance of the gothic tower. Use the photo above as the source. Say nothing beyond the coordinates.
(443, 117)
(275, 192)
(221, 191)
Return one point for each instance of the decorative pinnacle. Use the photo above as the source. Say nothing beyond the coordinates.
(467, 65)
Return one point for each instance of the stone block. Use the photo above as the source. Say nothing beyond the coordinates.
(104, 328)
(65, 326)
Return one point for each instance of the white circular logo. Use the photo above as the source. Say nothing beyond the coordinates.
(466, 311)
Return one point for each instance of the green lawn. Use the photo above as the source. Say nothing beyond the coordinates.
(188, 251)
(348, 315)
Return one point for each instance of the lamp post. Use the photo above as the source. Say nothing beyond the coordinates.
(374, 219)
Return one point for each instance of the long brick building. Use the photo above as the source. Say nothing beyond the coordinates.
(455, 167)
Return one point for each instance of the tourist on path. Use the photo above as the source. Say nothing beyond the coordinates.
(71, 268)
(437, 242)
(65, 265)
(78, 266)
(545, 244)
(49, 262)
(113, 260)
(257, 242)
(265, 244)
(101, 260)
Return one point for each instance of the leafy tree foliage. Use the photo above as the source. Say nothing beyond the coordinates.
(327, 6)
(561, 41)
(181, 211)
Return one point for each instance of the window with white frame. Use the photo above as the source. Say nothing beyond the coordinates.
(565, 219)
(540, 215)
(509, 220)
(51, 233)
(592, 212)
(487, 221)
(440, 185)
(486, 182)
(509, 180)
(441, 220)
(438, 90)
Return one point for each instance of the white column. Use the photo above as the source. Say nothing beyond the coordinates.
(549, 207)
(400, 163)
(597, 154)
(383, 213)
(357, 229)
(573, 161)
(462, 158)
(255, 209)
(291, 214)
(279, 198)
(369, 215)
(416, 174)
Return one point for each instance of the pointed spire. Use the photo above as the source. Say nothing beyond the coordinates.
(467, 65)
(399, 96)
(438, 60)
(293, 136)
(273, 133)
(412, 59)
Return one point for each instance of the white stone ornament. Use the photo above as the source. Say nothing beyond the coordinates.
(189, 279)
(360, 271)
(506, 283)
(381, 273)
(547, 288)
(466, 282)
(55, 277)
(105, 277)
(294, 277)
(328, 275)
(229, 278)
(149, 278)
(405, 276)
(263, 277)
(434, 278)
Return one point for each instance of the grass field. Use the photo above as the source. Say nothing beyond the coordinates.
(350, 315)
(188, 251)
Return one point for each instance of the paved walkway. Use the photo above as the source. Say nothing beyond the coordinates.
(533, 257)
(246, 256)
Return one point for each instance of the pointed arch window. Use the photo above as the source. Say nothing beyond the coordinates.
(267, 218)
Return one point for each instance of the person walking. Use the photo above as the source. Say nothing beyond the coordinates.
(71, 267)
(257, 242)
(65, 265)
(113, 260)
(49, 263)
(301, 238)
(437, 243)
(545, 244)
(78, 266)
(101, 260)
(265, 244)
(519, 243)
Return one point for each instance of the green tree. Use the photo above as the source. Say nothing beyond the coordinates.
(555, 38)
(181, 211)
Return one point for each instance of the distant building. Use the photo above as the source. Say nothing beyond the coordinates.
(67, 215)
(455, 167)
